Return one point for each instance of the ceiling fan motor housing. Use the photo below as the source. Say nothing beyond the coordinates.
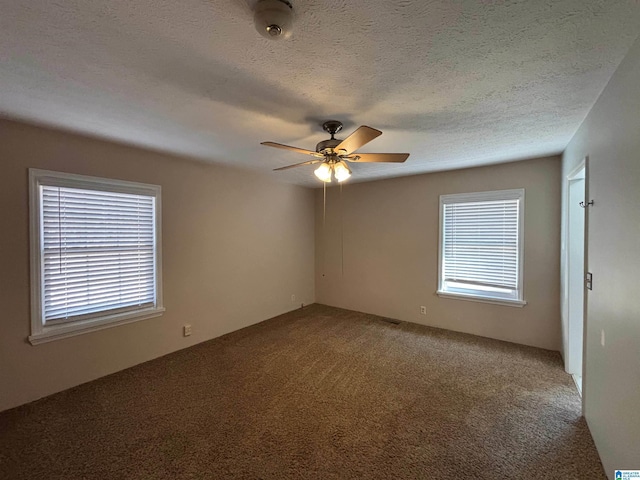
(331, 127)
(273, 18)
(325, 144)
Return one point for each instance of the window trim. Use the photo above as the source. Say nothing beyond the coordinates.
(41, 333)
(493, 195)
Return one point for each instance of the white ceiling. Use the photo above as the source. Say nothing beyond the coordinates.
(455, 83)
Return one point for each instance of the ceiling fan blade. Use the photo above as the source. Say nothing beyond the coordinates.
(360, 137)
(295, 149)
(377, 157)
(310, 162)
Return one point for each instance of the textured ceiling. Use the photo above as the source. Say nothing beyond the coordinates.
(455, 83)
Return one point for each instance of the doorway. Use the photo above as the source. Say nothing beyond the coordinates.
(576, 234)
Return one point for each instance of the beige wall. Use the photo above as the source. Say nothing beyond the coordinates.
(236, 246)
(389, 236)
(610, 136)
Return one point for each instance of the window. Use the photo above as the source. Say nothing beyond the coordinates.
(481, 246)
(95, 253)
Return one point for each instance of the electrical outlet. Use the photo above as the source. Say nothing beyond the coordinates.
(187, 330)
(602, 337)
(423, 310)
(293, 299)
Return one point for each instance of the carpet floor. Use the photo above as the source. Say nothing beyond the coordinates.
(318, 393)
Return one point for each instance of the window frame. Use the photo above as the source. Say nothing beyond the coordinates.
(40, 331)
(478, 295)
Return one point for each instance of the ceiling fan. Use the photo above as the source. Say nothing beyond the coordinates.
(333, 153)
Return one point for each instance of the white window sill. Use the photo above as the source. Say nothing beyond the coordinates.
(476, 298)
(66, 330)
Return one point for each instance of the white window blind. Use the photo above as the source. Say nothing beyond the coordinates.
(481, 244)
(97, 252)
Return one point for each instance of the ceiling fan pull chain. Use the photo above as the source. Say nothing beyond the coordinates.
(324, 234)
(341, 233)
(324, 204)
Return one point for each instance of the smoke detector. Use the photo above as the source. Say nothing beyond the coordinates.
(273, 18)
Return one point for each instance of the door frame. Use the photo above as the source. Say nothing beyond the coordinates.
(573, 175)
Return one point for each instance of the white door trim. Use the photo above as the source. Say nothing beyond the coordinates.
(575, 174)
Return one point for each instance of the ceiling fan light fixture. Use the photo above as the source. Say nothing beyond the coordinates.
(333, 154)
(323, 172)
(341, 171)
